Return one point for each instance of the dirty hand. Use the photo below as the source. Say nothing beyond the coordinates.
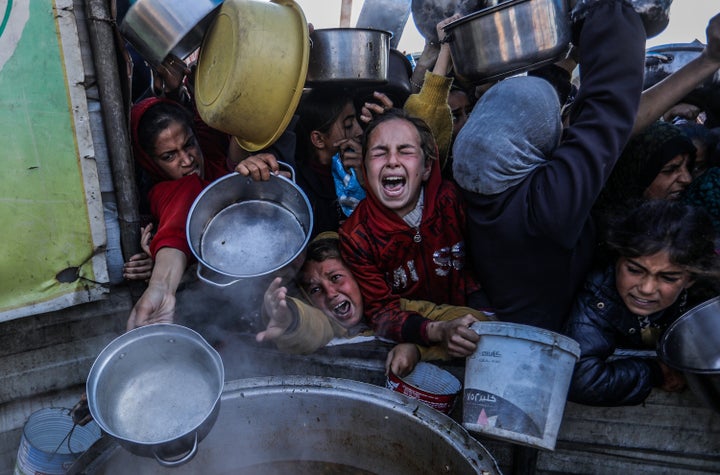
(145, 238)
(170, 75)
(455, 335)
(156, 305)
(673, 381)
(370, 109)
(275, 307)
(440, 27)
(259, 167)
(138, 267)
(713, 38)
(401, 360)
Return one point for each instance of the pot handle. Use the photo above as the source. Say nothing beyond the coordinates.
(184, 459)
(210, 281)
(290, 169)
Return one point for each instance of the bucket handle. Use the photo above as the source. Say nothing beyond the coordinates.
(185, 458)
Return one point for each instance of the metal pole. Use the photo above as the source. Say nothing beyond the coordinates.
(102, 41)
(345, 11)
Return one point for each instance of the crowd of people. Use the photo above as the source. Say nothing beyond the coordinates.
(586, 210)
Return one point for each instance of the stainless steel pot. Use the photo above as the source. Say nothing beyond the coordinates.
(428, 13)
(158, 28)
(509, 38)
(692, 345)
(348, 55)
(240, 229)
(266, 424)
(664, 60)
(156, 389)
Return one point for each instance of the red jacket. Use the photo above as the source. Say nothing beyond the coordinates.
(388, 264)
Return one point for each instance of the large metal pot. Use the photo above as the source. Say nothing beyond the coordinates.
(509, 38)
(158, 28)
(692, 345)
(252, 68)
(240, 229)
(275, 425)
(664, 60)
(348, 55)
(156, 389)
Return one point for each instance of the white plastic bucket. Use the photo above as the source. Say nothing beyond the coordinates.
(49, 443)
(516, 383)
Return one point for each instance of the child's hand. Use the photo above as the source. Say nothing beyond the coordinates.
(402, 359)
(276, 309)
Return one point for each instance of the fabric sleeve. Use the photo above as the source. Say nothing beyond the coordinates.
(611, 44)
(597, 381)
(170, 203)
(312, 331)
(431, 105)
(383, 311)
(441, 313)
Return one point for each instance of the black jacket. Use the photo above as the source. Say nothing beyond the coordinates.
(601, 323)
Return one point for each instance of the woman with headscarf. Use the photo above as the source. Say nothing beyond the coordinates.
(529, 195)
(655, 164)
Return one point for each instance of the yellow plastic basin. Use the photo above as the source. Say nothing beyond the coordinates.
(252, 68)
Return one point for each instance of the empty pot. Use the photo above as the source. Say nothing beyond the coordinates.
(509, 38)
(691, 344)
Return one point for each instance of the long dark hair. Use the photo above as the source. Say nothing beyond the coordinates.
(318, 110)
(651, 226)
(156, 119)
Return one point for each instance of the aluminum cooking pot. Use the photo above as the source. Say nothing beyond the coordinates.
(664, 60)
(158, 28)
(509, 38)
(156, 389)
(428, 13)
(240, 229)
(290, 424)
(348, 55)
(691, 344)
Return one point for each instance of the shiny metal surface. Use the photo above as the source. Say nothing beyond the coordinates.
(509, 38)
(157, 28)
(692, 345)
(156, 389)
(299, 418)
(655, 14)
(428, 13)
(241, 229)
(664, 60)
(348, 55)
(386, 15)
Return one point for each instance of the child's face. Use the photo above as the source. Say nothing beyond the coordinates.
(333, 289)
(177, 152)
(396, 166)
(649, 284)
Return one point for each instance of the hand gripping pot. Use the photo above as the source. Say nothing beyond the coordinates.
(156, 389)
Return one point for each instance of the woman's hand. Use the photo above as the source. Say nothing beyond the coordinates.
(275, 307)
(673, 380)
(402, 359)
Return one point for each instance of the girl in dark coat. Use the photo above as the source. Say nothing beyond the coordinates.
(661, 248)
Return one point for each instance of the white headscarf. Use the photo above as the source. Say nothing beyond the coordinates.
(512, 130)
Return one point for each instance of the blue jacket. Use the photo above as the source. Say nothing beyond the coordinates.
(600, 322)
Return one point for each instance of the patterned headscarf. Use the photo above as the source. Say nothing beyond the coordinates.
(512, 130)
